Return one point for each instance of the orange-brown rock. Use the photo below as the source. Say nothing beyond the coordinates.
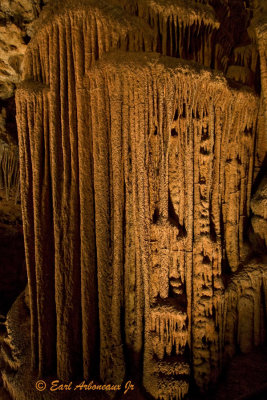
(138, 127)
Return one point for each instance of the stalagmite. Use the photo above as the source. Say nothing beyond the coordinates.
(136, 168)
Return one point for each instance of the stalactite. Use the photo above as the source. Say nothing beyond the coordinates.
(261, 141)
(101, 29)
(170, 329)
(32, 109)
(244, 303)
(168, 221)
(9, 170)
(139, 167)
(173, 20)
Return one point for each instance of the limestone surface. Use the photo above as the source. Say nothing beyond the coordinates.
(141, 126)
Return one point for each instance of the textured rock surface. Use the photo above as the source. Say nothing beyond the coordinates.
(259, 210)
(16, 19)
(136, 170)
(8, 127)
(9, 171)
(214, 33)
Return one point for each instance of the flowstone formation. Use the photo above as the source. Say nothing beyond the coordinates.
(137, 163)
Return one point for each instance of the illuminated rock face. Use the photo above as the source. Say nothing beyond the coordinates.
(136, 174)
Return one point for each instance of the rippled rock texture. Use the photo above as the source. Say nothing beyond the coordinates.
(139, 124)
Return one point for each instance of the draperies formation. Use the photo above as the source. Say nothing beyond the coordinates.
(136, 169)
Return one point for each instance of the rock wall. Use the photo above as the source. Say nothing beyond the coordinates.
(137, 165)
(16, 19)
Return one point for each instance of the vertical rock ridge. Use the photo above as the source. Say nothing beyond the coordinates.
(9, 169)
(168, 228)
(139, 168)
